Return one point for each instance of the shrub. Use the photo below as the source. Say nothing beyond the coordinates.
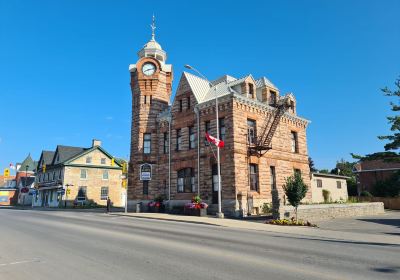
(295, 190)
(266, 208)
(365, 194)
(326, 194)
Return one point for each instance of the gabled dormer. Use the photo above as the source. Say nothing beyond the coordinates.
(267, 92)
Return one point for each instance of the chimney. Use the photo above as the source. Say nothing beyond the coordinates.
(96, 143)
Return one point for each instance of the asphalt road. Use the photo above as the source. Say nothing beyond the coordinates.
(41, 245)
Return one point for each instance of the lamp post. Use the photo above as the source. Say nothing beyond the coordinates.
(219, 213)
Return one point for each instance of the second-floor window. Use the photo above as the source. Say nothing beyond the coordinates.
(83, 174)
(88, 159)
(105, 174)
(166, 143)
(222, 129)
(207, 128)
(192, 138)
(294, 141)
(188, 102)
(251, 131)
(103, 161)
(178, 139)
(146, 143)
(180, 105)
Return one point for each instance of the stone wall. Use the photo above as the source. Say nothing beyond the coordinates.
(320, 212)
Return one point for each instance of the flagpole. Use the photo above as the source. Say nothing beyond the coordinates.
(219, 213)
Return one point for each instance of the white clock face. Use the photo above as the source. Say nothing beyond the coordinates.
(148, 69)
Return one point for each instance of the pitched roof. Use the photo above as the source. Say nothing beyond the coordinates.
(198, 85)
(47, 157)
(28, 162)
(67, 152)
(264, 82)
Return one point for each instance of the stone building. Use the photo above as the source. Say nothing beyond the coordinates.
(76, 175)
(169, 154)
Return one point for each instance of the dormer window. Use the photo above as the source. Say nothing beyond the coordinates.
(292, 106)
(272, 98)
(251, 91)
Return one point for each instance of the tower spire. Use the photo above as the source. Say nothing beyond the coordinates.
(153, 28)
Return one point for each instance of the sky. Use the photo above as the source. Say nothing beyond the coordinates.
(64, 75)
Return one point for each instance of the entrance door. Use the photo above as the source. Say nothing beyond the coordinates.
(214, 184)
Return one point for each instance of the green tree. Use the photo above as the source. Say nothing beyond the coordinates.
(311, 165)
(324, 171)
(394, 139)
(345, 168)
(295, 190)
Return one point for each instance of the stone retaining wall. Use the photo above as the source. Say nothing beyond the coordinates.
(320, 212)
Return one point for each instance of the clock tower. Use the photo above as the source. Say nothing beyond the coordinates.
(151, 85)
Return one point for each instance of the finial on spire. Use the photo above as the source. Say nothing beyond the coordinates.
(153, 28)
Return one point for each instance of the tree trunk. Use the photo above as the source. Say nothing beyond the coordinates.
(296, 213)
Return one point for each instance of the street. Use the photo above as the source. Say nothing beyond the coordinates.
(41, 245)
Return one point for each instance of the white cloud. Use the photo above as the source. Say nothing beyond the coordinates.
(109, 118)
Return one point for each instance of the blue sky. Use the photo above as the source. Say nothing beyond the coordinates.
(64, 65)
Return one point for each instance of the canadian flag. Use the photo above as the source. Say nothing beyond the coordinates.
(216, 141)
(12, 166)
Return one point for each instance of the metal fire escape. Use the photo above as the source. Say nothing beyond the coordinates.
(262, 142)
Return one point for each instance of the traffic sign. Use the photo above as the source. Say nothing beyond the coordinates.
(6, 172)
(68, 191)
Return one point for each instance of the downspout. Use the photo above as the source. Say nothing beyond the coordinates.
(169, 161)
(196, 110)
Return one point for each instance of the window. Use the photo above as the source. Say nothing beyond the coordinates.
(251, 91)
(180, 105)
(292, 106)
(186, 180)
(295, 146)
(81, 194)
(178, 139)
(104, 193)
(146, 143)
(188, 102)
(146, 187)
(105, 174)
(319, 183)
(103, 161)
(166, 143)
(48, 176)
(338, 184)
(273, 177)
(251, 131)
(207, 128)
(253, 177)
(297, 171)
(83, 174)
(151, 99)
(88, 159)
(215, 179)
(272, 100)
(60, 175)
(192, 138)
(54, 175)
(222, 129)
(145, 99)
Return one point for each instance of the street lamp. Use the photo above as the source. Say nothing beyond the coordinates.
(219, 213)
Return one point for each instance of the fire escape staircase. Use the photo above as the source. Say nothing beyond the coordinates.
(264, 140)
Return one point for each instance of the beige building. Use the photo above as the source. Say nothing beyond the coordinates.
(335, 184)
(78, 176)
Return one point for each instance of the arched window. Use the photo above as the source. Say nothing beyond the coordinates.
(186, 180)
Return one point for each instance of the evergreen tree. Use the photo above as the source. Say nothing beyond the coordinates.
(295, 190)
(394, 139)
(311, 165)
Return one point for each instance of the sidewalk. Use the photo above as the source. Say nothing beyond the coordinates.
(307, 232)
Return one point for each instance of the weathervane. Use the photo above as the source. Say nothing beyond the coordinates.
(153, 28)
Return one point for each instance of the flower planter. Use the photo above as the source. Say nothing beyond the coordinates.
(200, 212)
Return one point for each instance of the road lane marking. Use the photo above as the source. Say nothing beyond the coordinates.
(20, 262)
